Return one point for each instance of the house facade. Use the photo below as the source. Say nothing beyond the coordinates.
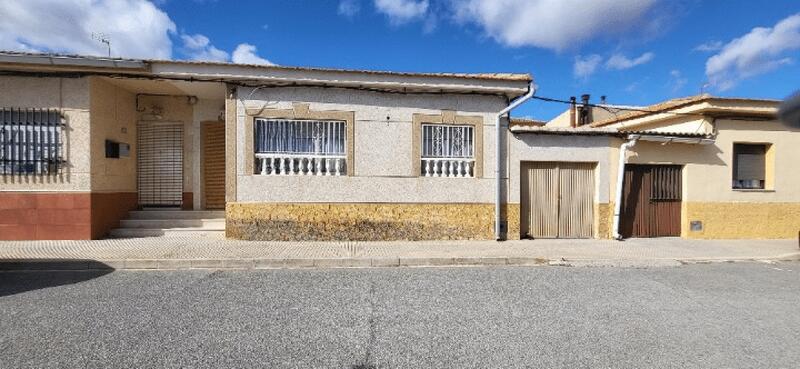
(286, 153)
(283, 153)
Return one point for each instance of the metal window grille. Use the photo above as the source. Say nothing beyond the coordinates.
(304, 137)
(30, 141)
(447, 141)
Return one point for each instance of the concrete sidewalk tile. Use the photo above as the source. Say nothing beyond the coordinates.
(298, 263)
(141, 264)
(174, 264)
(385, 262)
(207, 263)
(239, 263)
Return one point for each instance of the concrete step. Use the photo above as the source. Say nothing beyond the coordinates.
(171, 232)
(177, 214)
(205, 224)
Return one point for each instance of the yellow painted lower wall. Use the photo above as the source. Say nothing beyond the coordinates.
(365, 221)
(605, 220)
(732, 220)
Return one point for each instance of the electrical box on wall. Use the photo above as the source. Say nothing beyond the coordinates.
(115, 150)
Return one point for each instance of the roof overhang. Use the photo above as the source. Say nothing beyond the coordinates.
(668, 139)
(508, 85)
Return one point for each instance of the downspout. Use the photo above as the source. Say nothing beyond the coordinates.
(623, 151)
(499, 160)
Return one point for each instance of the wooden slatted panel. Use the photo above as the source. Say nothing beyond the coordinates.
(651, 205)
(160, 164)
(576, 205)
(214, 165)
(542, 200)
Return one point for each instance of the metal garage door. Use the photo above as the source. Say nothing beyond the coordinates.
(160, 164)
(651, 202)
(558, 199)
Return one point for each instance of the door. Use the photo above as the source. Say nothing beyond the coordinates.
(214, 165)
(558, 199)
(651, 201)
(160, 164)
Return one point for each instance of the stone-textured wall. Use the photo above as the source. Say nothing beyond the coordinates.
(605, 220)
(364, 221)
(736, 220)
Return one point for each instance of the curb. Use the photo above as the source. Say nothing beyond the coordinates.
(184, 264)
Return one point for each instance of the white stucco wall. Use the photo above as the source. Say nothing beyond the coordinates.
(71, 96)
(587, 149)
(382, 148)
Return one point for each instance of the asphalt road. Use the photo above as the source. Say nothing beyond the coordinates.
(741, 315)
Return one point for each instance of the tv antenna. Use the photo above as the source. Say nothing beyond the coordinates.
(103, 38)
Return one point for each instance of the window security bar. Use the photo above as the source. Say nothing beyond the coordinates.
(30, 141)
(300, 147)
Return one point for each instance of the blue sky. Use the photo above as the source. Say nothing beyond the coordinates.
(634, 51)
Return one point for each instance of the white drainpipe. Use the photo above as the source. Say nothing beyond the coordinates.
(623, 151)
(499, 160)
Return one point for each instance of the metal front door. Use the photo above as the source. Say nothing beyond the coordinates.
(558, 199)
(651, 201)
(214, 165)
(160, 164)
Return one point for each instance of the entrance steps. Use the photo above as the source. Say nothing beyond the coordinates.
(171, 222)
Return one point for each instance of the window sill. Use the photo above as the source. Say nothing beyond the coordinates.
(752, 190)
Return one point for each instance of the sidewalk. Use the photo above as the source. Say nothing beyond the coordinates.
(184, 253)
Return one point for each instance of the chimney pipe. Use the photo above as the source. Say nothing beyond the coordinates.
(603, 99)
(585, 110)
(572, 108)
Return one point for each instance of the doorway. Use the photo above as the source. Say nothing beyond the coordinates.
(160, 164)
(213, 165)
(557, 200)
(651, 201)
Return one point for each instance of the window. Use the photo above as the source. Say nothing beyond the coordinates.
(448, 151)
(300, 147)
(30, 141)
(749, 166)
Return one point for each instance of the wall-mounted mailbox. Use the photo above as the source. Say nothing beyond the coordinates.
(116, 150)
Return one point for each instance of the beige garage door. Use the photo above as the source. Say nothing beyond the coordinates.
(557, 199)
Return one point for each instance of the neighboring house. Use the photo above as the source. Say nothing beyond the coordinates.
(284, 153)
(288, 153)
(697, 167)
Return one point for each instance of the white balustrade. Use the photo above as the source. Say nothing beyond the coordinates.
(302, 165)
(448, 167)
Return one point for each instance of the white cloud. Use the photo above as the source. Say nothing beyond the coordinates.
(246, 54)
(199, 47)
(402, 11)
(709, 46)
(349, 8)
(136, 28)
(677, 80)
(551, 24)
(586, 66)
(761, 50)
(621, 62)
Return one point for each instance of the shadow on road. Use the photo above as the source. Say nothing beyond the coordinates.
(17, 276)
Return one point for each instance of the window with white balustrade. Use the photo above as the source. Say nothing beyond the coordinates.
(448, 150)
(300, 147)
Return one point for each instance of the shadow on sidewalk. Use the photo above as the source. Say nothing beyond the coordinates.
(18, 276)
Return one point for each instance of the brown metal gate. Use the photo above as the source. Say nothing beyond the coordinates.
(558, 200)
(651, 202)
(160, 164)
